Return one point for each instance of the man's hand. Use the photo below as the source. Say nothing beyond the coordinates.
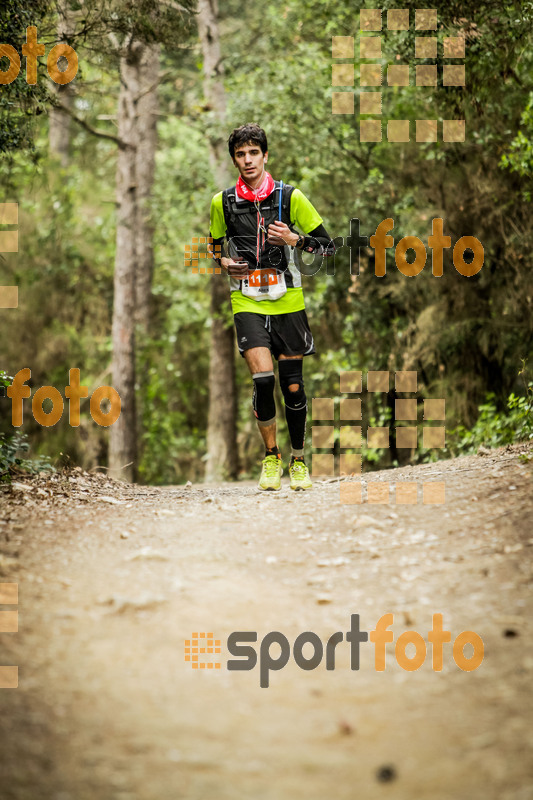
(279, 233)
(236, 268)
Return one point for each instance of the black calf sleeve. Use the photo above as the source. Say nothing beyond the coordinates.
(263, 401)
(291, 373)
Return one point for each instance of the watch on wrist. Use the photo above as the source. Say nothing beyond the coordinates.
(300, 243)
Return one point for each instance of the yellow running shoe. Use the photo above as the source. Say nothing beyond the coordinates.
(271, 474)
(299, 476)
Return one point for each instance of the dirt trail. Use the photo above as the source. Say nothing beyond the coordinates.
(114, 578)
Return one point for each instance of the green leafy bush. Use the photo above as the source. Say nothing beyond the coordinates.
(495, 428)
(12, 444)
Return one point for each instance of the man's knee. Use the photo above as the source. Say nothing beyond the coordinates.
(291, 383)
(263, 401)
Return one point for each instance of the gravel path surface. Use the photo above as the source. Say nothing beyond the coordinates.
(114, 578)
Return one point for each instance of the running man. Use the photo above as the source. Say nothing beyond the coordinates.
(257, 217)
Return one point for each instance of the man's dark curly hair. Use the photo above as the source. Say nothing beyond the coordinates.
(249, 133)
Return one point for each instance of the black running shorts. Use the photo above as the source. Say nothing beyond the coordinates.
(283, 334)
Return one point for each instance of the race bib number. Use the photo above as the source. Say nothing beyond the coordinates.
(264, 284)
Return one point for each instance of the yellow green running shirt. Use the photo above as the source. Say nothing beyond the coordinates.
(305, 217)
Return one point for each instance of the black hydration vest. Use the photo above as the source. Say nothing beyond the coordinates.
(246, 238)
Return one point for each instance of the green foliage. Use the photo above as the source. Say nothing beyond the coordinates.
(519, 155)
(13, 444)
(11, 462)
(495, 428)
(464, 336)
(20, 102)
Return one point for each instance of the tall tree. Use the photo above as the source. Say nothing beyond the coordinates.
(221, 431)
(60, 118)
(146, 121)
(135, 34)
(134, 258)
(123, 435)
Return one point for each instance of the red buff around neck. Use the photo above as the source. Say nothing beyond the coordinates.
(262, 191)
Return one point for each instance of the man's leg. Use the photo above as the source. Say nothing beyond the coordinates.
(259, 360)
(292, 388)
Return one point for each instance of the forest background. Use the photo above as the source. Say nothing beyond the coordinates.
(107, 207)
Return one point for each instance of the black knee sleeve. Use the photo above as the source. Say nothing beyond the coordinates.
(263, 398)
(291, 372)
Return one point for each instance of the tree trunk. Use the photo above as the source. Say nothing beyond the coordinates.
(59, 120)
(147, 108)
(134, 260)
(222, 426)
(123, 434)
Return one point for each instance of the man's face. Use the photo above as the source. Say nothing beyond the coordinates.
(250, 161)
